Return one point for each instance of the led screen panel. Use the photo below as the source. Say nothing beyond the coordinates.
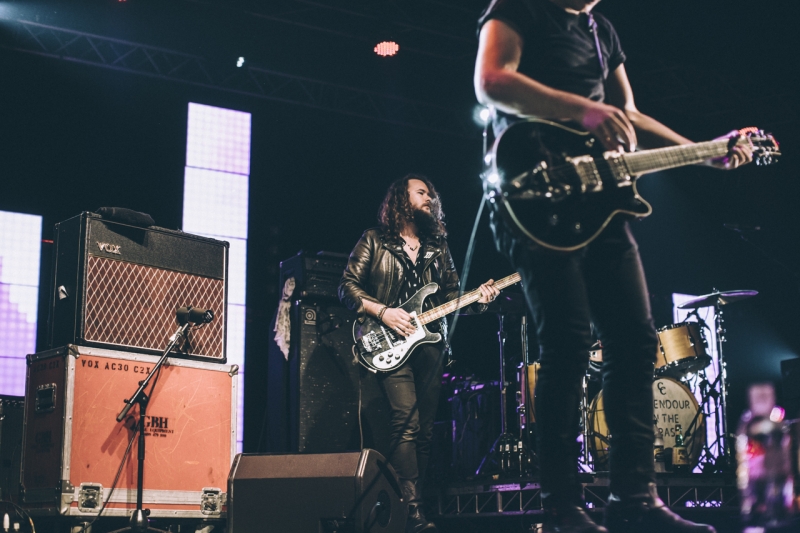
(20, 246)
(216, 196)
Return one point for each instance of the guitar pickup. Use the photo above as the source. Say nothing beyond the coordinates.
(619, 168)
(586, 168)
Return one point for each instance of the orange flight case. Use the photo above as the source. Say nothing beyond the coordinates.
(73, 445)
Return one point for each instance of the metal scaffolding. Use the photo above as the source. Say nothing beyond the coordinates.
(171, 65)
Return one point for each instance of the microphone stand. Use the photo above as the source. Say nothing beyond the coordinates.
(138, 520)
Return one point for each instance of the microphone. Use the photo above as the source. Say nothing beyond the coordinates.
(741, 228)
(193, 315)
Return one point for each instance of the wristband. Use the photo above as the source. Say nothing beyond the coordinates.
(380, 313)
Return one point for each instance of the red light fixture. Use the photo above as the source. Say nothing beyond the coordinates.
(386, 48)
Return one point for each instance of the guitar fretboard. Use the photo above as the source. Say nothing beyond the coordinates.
(675, 156)
(466, 299)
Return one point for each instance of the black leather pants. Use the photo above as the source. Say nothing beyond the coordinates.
(603, 284)
(417, 382)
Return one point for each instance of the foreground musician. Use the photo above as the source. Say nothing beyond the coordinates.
(388, 265)
(539, 58)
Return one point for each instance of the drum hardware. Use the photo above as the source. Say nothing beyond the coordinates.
(526, 456)
(505, 451)
(587, 434)
(681, 349)
(717, 300)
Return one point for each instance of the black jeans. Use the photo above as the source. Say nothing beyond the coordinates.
(602, 283)
(413, 393)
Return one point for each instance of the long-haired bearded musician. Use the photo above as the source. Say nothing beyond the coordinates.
(388, 265)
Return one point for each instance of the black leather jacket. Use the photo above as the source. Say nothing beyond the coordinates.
(375, 272)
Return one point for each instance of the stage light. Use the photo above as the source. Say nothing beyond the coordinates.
(481, 115)
(240, 62)
(386, 48)
(493, 177)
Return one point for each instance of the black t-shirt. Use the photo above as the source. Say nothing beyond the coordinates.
(558, 47)
(412, 281)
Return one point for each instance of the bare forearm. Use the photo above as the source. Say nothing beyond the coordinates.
(372, 308)
(517, 94)
(652, 133)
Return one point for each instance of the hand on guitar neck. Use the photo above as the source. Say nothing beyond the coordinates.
(400, 321)
(739, 153)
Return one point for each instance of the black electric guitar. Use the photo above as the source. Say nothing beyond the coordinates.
(381, 349)
(559, 187)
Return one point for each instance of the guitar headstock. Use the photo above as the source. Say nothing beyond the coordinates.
(766, 149)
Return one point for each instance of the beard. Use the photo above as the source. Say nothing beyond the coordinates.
(426, 224)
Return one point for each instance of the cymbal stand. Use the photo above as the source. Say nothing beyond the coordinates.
(724, 444)
(587, 432)
(500, 453)
(505, 446)
(525, 455)
(711, 398)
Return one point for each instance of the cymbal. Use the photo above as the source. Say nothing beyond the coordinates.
(724, 298)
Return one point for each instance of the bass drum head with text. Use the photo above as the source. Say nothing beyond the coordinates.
(673, 403)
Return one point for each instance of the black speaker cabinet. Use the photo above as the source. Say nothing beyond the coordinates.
(118, 286)
(790, 386)
(353, 492)
(12, 412)
(313, 394)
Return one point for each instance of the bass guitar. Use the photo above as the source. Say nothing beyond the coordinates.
(381, 349)
(559, 187)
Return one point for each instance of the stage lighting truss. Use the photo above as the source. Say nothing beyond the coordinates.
(145, 60)
(525, 498)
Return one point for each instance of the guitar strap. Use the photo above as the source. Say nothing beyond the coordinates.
(592, 25)
(436, 276)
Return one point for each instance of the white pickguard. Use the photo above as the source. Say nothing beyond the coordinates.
(396, 355)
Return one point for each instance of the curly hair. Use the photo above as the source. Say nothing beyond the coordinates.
(396, 210)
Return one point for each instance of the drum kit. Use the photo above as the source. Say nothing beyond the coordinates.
(685, 400)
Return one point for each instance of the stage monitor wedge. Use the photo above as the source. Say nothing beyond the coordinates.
(355, 492)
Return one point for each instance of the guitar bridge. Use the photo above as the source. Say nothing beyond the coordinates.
(370, 342)
(587, 171)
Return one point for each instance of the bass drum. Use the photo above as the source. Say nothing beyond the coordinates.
(673, 403)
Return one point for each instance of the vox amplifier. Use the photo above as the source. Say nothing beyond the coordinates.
(73, 444)
(118, 286)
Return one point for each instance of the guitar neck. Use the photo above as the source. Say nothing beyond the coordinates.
(466, 299)
(675, 156)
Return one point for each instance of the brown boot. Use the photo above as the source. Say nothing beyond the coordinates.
(645, 512)
(412, 496)
(569, 519)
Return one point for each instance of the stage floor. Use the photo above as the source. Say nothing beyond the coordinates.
(506, 504)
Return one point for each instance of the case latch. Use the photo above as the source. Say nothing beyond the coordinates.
(46, 398)
(211, 501)
(90, 497)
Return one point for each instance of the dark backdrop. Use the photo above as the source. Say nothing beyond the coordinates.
(75, 137)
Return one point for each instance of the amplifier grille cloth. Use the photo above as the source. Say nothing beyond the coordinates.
(134, 305)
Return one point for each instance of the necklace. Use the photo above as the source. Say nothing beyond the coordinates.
(412, 248)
